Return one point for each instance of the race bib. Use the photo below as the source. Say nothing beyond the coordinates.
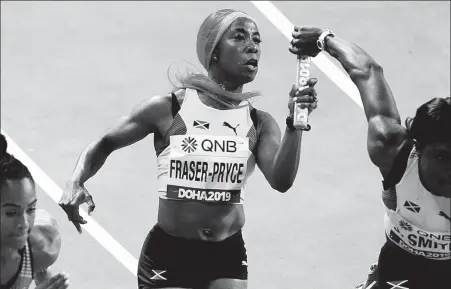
(207, 168)
(431, 245)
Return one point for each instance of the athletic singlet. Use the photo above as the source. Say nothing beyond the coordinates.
(208, 154)
(416, 220)
(24, 276)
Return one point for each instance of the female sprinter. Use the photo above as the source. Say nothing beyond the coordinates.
(30, 241)
(415, 163)
(207, 139)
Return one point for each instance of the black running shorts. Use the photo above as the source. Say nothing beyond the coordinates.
(399, 269)
(168, 261)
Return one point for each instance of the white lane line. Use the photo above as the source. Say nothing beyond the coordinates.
(55, 192)
(321, 61)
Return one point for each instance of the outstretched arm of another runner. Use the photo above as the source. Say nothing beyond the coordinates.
(279, 159)
(143, 120)
(386, 135)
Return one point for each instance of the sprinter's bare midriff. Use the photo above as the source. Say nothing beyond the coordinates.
(200, 221)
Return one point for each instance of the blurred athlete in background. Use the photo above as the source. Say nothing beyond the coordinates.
(30, 240)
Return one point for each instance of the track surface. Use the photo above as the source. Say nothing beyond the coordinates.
(70, 70)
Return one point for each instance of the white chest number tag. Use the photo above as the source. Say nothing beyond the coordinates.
(207, 168)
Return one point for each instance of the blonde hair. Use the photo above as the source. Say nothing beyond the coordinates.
(210, 32)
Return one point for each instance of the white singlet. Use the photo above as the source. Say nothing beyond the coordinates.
(420, 224)
(209, 154)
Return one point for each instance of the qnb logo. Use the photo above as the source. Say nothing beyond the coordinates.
(397, 231)
(189, 145)
(406, 226)
(226, 146)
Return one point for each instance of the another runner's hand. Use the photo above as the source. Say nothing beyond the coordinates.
(73, 196)
(304, 41)
(57, 281)
(305, 96)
